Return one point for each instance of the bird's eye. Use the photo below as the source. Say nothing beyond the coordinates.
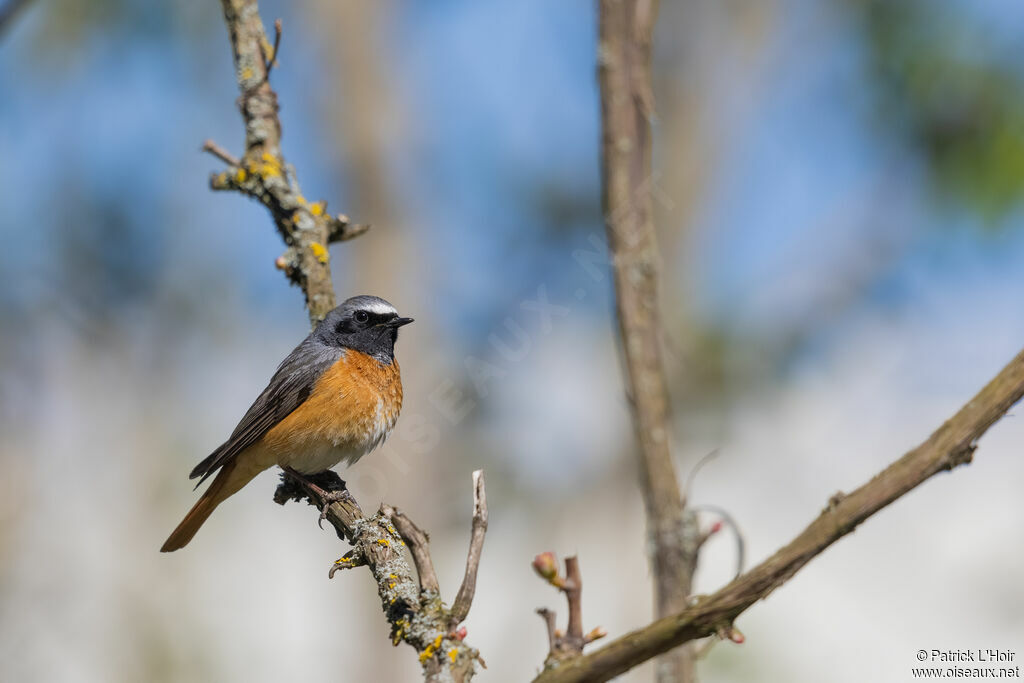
(362, 317)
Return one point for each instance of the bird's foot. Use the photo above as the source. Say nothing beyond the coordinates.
(329, 497)
(328, 487)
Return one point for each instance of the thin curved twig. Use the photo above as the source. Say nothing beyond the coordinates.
(464, 599)
(695, 470)
(730, 521)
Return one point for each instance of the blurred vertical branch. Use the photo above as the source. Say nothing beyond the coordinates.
(627, 104)
(9, 10)
(368, 122)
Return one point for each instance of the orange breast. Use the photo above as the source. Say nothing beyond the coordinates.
(352, 408)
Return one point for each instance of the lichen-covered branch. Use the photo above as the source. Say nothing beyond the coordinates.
(627, 104)
(413, 607)
(262, 172)
(950, 445)
(419, 545)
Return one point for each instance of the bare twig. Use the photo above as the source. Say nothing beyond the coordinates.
(568, 645)
(339, 229)
(216, 150)
(695, 470)
(574, 596)
(626, 107)
(702, 649)
(741, 546)
(270, 61)
(464, 599)
(549, 618)
(950, 445)
(419, 545)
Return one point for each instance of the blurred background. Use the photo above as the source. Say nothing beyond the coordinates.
(839, 192)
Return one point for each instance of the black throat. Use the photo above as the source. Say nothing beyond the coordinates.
(377, 341)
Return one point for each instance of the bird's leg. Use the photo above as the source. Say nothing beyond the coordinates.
(332, 491)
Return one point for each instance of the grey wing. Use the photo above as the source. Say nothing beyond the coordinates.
(288, 389)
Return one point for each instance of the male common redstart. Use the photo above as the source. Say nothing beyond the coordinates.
(333, 399)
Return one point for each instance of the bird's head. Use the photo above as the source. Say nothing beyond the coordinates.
(363, 323)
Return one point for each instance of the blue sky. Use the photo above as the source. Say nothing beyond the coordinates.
(502, 105)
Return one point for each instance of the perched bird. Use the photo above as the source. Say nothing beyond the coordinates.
(333, 399)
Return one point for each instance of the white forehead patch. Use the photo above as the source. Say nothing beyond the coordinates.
(380, 308)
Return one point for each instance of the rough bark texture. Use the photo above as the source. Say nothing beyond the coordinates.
(414, 608)
(951, 445)
(626, 108)
(263, 174)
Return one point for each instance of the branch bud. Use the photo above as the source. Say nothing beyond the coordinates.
(546, 566)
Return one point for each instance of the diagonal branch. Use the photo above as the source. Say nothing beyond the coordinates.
(216, 150)
(950, 445)
(414, 609)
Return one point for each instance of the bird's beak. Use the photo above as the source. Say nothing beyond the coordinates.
(398, 322)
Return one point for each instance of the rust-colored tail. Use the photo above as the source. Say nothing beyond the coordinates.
(228, 482)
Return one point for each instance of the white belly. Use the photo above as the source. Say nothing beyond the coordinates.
(323, 449)
(350, 414)
(322, 456)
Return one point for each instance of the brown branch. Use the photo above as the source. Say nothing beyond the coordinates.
(263, 174)
(574, 596)
(419, 545)
(950, 445)
(413, 608)
(550, 626)
(626, 107)
(339, 229)
(270, 60)
(569, 645)
(464, 598)
(216, 150)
